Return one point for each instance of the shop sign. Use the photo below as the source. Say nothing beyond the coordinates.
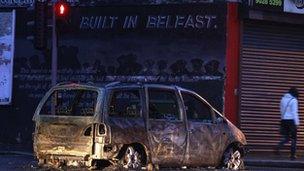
(274, 5)
(294, 6)
(16, 3)
(289, 6)
(7, 36)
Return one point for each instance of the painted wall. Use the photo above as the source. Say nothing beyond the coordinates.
(169, 44)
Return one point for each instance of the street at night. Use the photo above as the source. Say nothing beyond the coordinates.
(151, 85)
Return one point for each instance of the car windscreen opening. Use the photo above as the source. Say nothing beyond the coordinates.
(72, 102)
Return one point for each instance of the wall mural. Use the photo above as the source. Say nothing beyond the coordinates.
(168, 44)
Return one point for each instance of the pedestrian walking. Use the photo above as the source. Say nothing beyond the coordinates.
(289, 121)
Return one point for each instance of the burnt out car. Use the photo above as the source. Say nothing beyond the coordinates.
(133, 125)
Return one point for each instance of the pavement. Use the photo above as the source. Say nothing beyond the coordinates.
(269, 159)
(16, 150)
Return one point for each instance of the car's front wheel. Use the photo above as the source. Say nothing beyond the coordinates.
(233, 159)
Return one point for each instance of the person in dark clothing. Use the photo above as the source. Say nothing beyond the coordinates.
(289, 121)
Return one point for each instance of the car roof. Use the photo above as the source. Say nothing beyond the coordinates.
(118, 85)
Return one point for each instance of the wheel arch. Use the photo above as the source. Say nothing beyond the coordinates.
(137, 146)
(234, 145)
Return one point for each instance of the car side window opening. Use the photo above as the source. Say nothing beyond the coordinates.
(163, 104)
(74, 102)
(196, 109)
(125, 103)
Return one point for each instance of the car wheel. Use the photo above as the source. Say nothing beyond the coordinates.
(132, 159)
(233, 159)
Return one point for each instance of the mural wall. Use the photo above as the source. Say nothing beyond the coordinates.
(180, 44)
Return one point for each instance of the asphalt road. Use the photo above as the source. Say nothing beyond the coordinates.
(16, 162)
(25, 162)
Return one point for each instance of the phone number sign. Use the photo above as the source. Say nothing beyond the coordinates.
(275, 5)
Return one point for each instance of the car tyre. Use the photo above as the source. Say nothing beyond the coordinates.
(132, 158)
(233, 159)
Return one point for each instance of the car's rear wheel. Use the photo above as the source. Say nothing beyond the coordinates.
(132, 158)
(233, 159)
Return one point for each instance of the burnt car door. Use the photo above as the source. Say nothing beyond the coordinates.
(205, 136)
(166, 127)
(124, 115)
(65, 121)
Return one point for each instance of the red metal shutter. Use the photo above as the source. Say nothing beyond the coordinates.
(272, 60)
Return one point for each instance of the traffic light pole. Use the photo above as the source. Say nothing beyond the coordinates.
(54, 48)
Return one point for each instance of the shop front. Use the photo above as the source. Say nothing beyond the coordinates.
(271, 62)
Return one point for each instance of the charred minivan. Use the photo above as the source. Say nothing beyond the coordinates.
(134, 125)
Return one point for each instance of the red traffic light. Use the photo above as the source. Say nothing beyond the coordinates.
(62, 8)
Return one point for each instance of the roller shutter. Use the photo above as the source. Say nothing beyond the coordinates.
(272, 60)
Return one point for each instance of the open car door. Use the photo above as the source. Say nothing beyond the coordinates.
(64, 125)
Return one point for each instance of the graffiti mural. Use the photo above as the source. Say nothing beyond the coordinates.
(179, 44)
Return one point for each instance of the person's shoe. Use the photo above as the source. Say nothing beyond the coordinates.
(293, 157)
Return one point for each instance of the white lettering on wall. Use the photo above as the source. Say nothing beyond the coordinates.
(130, 22)
(150, 22)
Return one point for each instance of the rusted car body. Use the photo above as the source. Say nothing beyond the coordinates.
(133, 125)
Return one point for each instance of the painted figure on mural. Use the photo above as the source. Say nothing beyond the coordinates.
(47, 59)
(68, 58)
(99, 70)
(86, 68)
(148, 68)
(212, 68)
(128, 65)
(289, 121)
(111, 70)
(179, 68)
(197, 67)
(162, 70)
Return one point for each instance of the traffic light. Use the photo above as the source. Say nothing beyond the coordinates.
(62, 12)
(62, 9)
(40, 25)
(42, 12)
